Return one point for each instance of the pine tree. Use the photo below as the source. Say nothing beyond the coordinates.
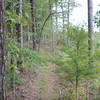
(2, 60)
(90, 27)
(33, 14)
(19, 30)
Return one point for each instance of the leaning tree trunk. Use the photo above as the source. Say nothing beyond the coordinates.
(90, 26)
(2, 61)
(33, 22)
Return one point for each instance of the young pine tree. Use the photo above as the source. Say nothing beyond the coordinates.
(73, 61)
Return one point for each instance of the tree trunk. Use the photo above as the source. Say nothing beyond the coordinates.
(68, 12)
(51, 24)
(28, 38)
(19, 30)
(77, 73)
(33, 22)
(56, 19)
(19, 27)
(90, 26)
(62, 8)
(2, 61)
(68, 22)
(76, 90)
(56, 8)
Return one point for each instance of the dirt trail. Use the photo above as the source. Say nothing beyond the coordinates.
(40, 87)
(52, 82)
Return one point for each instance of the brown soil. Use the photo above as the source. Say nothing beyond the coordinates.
(33, 88)
(37, 86)
(52, 82)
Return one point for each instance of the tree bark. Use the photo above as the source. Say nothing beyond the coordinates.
(2, 54)
(62, 8)
(76, 88)
(68, 22)
(56, 8)
(68, 12)
(19, 30)
(90, 26)
(33, 22)
(56, 18)
(51, 24)
(19, 27)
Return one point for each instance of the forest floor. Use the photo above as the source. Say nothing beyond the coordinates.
(43, 84)
(52, 82)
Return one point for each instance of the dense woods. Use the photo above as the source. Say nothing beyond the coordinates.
(44, 55)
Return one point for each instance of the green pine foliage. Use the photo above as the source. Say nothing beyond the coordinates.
(74, 59)
(70, 46)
